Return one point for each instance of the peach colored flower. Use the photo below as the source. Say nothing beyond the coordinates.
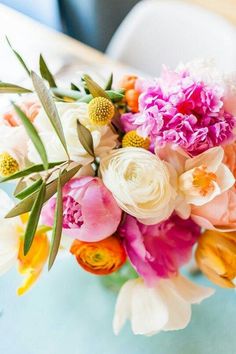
(220, 213)
(29, 107)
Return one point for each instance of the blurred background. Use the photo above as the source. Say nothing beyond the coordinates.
(97, 23)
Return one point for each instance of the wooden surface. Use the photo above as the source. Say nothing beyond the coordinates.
(226, 8)
(62, 53)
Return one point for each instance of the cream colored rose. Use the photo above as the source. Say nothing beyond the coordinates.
(140, 183)
(103, 138)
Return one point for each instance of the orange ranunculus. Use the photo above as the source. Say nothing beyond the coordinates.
(131, 97)
(101, 258)
(128, 82)
(216, 257)
(32, 264)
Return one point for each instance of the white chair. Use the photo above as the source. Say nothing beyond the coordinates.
(159, 32)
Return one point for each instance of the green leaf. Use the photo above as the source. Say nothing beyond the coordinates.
(18, 57)
(29, 170)
(115, 96)
(85, 137)
(26, 204)
(46, 73)
(94, 88)
(63, 92)
(34, 219)
(33, 134)
(30, 189)
(49, 107)
(6, 87)
(108, 85)
(20, 186)
(57, 225)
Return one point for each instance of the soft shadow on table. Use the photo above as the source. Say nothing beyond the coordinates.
(68, 311)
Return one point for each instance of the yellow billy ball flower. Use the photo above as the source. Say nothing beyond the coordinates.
(132, 139)
(102, 257)
(8, 165)
(216, 257)
(101, 111)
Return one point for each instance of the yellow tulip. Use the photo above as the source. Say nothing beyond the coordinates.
(32, 264)
(216, 257)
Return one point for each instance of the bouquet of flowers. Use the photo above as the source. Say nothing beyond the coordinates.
(133, 178)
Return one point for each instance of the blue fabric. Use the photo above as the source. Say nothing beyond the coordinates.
(68, 311)
(45, 11)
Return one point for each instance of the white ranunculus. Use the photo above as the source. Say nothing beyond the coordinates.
(9, 235)
(103, 138)
(140, 182)
(165, 307)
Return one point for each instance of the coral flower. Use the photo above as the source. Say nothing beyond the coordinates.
(32, 264)
(200, 179)
(216, 257)
(220, 213)
(159, 250)
(30, 107)
(103, 257)
(164, 307)
(90, 212)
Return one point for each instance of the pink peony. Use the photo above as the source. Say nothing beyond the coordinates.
(90, 212)
(159, 250)
(181, 110)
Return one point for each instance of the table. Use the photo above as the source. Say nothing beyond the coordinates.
(68, 311)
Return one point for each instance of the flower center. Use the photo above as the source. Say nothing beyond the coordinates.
(204, 180)
(72, 215)
(8, 165)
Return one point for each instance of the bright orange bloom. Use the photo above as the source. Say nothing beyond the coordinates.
(216, 257)
(32, 264)
(131, 97)
(128, 82)
(103, 257)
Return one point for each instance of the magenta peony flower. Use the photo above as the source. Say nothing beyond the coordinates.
(90, 213)
(181, 110)
(159, 250)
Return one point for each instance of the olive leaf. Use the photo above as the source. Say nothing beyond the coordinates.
(63, 92)
(109, 82)
(49, 107)
(6, 87)
(33, 135)
(57, 225)
(29, 189)
(34, 219)
(18, 57)
(94, 88)
(19, 187)
(45, 72)
(74, 87)
(85, 137)
(115, 96)
(29, 170)
(26, 204)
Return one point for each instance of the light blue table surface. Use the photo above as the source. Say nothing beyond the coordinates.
(69, 312)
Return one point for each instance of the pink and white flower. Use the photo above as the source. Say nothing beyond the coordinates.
(90, 212)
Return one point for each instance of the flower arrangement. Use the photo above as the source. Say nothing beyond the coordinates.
(132, 178)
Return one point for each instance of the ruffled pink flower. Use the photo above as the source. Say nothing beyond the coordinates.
(159, 250)
(183, 111)
(90, 213)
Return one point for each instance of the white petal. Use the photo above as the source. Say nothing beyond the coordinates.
(7, 263)
(123, 305)
(149, 313)
(189, 291)
(179, 309)
(225, 178)
(5, 202)
(211, 158)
